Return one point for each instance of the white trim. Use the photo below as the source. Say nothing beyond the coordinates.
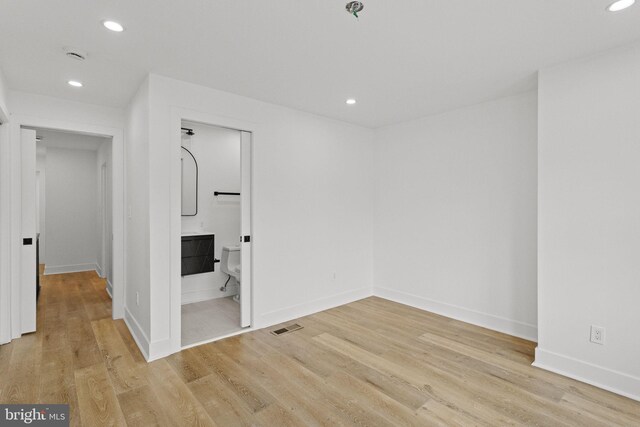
(598, 376)
(310, 307)
(221, 337)
(16, 229)
(5, 227)
(485, 320)
(199, 295)
(98, 270)
(160, 349)
(109, 288)
(137, 333)
(75, 268)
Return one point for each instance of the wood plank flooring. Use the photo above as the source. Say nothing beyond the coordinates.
(372, 362)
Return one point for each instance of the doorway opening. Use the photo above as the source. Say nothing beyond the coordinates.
(67, 210)
(215, 292)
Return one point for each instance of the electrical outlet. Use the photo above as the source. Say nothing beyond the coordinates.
(597, 335)
(138, 299)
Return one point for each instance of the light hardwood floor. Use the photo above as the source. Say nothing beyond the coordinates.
(372, 362)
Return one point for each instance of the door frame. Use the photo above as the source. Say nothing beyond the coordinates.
(6, 330)
(117, 207)
(177, 116)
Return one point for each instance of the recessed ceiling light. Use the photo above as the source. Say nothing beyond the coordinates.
(619, 5)
(351, 101)
(74, 83)
(113, 26)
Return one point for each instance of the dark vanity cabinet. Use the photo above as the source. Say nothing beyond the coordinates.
(198, 254)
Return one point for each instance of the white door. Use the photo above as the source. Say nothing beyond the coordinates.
(29, 268)
(245, 229)
(103, 217)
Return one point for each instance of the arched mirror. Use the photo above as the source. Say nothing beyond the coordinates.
(189, 183)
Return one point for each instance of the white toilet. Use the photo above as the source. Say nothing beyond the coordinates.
(230, 264)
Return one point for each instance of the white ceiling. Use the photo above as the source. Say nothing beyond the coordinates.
(401, 60)
(69, 140)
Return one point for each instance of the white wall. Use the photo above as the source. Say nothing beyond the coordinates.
(217, 151)
(455, 214)
(312, 208)
(137, 295)
(104, 250)
(71, 211)
(28, 105)
(589, 219)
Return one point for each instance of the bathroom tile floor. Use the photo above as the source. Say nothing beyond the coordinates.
(206, 320)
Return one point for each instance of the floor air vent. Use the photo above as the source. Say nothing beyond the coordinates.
(286, 329)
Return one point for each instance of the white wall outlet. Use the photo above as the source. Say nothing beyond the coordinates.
(597, 335)
(138, 298)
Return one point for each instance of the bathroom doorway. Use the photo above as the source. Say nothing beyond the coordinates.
(215, 232)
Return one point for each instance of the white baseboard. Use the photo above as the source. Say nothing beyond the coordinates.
(189, 297)
(598, 376)
(601, 377)
(489, 321)
(160, 349)
(305, 309)
(76, 268)
(150, 350)
(99, 270)
(109, 289)
(137, 333)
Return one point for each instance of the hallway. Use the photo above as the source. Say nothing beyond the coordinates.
(70, 356)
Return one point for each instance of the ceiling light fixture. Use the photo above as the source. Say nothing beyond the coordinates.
(113, 26)
(619, 5)
(351, 101)
(74, 83)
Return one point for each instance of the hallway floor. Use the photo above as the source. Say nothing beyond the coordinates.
(372, 362)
